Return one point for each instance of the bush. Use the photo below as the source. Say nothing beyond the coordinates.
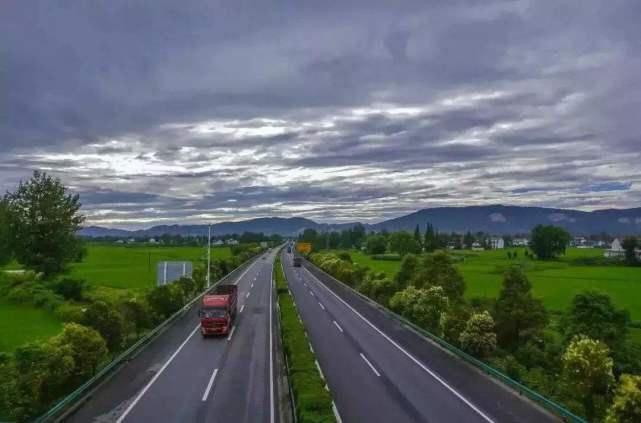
(70, 313)
(70, 289)
(20, 295)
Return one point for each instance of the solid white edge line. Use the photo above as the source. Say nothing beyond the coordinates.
(338, 326)
(407, 354)
(336, 415)
(370, 365)
(271, 348)
(242, 308)
(319, 369)
(156, 376)
(233, 328)
(210, 384)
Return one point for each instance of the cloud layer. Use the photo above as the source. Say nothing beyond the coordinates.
(354, 110)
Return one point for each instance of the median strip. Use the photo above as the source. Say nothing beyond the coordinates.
(311, 401)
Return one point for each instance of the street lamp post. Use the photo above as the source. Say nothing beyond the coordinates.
(209, 257)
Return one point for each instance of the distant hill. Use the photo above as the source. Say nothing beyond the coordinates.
(513, 219)
(266, 225)
(495, 219)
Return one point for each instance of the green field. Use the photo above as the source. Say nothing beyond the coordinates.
(556, 282)
(117, 266)
(21, 324)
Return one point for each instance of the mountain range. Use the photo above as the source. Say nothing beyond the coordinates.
(494, 219)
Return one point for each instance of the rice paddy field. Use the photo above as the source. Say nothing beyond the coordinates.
(117, 266)
(555, 282)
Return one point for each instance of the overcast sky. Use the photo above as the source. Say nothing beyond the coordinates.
(171, 111)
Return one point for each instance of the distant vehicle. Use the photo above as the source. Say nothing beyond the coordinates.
(289, 249)
(297, 261)
(218, 310)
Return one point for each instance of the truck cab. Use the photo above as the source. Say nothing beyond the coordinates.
(218, 310)
(297, 261)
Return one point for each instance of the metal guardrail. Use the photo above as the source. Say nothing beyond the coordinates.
(547, 403)
(69, 403)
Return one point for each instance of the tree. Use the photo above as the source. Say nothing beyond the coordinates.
(630, 245)
(592, 314)
(108, 322)
(408, 268)
(376, 244)
(468, 240)
(438, 270)
(417, 235)
(479, 338)
(5, 236)
(424, 307)
(403, 243)
(454, 323)
(87, 348)
(136, 315)
(188, 286)
(519, 316)
(357, 234)
(587, 369)
(70, 289)
(626, 406)
(430, 243)
(44, 219)
(42, 373)
(549, 242)
(165, 300)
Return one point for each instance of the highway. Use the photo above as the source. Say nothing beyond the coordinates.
(183, 377)
(377, 371)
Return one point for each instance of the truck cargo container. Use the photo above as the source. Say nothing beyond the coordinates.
(218, 310)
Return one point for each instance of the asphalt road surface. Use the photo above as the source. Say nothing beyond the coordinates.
(183, 377)
(377, 373)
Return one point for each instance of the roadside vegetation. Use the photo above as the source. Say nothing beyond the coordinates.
(573, 344)
(313, 403)
(58, 329)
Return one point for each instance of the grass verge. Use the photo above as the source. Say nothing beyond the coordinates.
(313, 403)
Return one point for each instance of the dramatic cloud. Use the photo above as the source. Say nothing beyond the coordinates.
(356, 110)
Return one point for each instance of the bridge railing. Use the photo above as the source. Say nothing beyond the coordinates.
(529, 393)
(75, 399)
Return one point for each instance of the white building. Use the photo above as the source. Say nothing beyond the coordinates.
(616, 250)
(231, 242)
(218, 242)
(497, 243)
(476, 246)
(520, 242)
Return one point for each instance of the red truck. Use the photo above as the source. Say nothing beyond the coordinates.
(218, 310)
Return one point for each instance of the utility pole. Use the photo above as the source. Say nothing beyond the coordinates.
(209, 257)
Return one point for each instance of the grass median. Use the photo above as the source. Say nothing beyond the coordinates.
(313, 403)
